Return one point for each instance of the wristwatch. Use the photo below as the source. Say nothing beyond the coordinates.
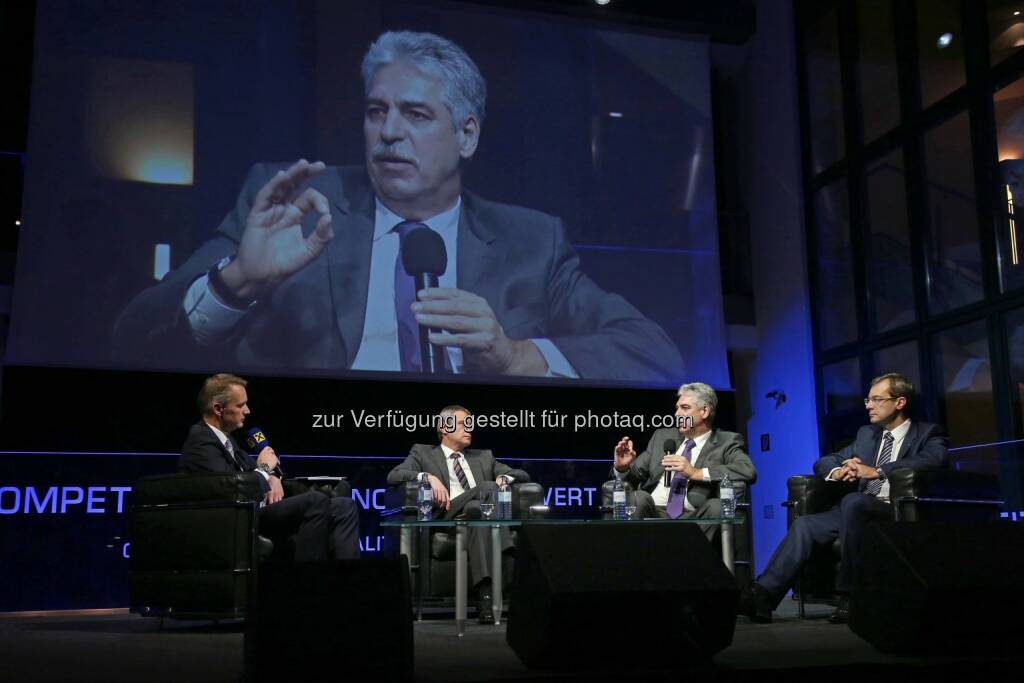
(265, 468)
(881, 474)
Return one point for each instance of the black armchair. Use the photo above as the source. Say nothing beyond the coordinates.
(916, 495)
(194, 545)
(432, 555)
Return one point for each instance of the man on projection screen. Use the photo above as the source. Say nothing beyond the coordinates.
(306, 272)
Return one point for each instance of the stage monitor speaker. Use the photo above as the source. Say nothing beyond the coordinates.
(933, 586)
(348, 618)
(580, 587)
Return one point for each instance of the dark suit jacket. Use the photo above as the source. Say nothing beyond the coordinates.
(203, 452)
(518, 259)
(724, 451)
(430, 459)
(924, 447)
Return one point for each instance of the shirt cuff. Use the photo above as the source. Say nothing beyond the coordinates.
(210, 320)
(558, 365)
(705, 473)
(828, 477)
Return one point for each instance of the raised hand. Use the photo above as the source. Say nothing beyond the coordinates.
(624, 454)
(272, 246)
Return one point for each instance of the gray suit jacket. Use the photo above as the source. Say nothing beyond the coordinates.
(924, 447)
(724, 451)
(518, 259)
(430, 459)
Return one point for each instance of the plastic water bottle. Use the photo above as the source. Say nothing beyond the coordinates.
(618, 499)
(425, 500)
(727, 494)
(504, 500)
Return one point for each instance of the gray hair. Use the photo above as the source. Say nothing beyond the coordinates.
(465, 91)
(704, 394)
(446, 419)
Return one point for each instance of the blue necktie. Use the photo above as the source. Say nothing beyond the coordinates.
(677, 487)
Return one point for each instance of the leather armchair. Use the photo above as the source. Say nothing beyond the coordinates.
(916, 495)
(432, 555)
(194, 545)
(743, 538)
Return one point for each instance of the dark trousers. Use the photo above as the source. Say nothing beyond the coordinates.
(646, 509)
(478, 539)
(847, 521)
(315, 523)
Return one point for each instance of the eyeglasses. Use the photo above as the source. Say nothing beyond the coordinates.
(876, 400)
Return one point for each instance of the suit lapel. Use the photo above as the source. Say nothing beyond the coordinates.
(479, 263)
(348, 257)
(441, 465)
(235, 462)
(476, 467)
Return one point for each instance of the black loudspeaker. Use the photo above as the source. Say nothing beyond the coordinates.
(931, 586)
(348, 618)
(579, 587)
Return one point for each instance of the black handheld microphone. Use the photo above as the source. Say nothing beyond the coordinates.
(670, 449)
(425, 258)
(256, 441)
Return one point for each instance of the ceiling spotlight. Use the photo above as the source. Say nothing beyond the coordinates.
(17, 222)
(1017, 13)
(615, 114)
(602, 2)
(944, 40)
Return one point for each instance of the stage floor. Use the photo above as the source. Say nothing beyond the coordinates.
(114, 645)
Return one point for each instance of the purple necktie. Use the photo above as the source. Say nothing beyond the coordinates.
(677, 487)
(405, 295)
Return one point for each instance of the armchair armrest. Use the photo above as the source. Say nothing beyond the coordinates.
(808, 493)
(197, 489)
(919, 493)
(527, 499)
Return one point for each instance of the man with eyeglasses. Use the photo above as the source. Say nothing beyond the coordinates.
(891, 441)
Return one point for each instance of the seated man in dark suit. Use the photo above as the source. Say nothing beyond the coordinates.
(891, 441)
(316, 522)
(703, 454)
(459, 478)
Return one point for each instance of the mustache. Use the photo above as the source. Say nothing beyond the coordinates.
(382, 152)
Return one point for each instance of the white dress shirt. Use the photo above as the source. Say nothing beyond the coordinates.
(211, 320)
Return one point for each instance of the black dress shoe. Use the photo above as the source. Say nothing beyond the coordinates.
(485, 609)
(841, 615)
(757, 604)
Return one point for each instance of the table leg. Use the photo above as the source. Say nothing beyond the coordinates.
(496, 580)
(727, 547)
(422, 568)
(461, 589)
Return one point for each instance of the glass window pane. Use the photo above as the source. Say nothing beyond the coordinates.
(1008, 105)
(954, 262)
(1005, 28)
(824, 90)
(966, 405)
(901, 358)
(889, 278)
(835, 303)
(843, 390)
(1015, 351)
(940, 43)
(880, 99)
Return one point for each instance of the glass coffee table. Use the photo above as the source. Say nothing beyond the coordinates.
(461, 526)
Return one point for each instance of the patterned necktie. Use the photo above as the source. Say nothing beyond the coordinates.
(875, 485)
(677, 488)
(459, 472)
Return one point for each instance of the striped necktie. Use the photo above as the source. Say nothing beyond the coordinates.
(459, 472)
(875, 485)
